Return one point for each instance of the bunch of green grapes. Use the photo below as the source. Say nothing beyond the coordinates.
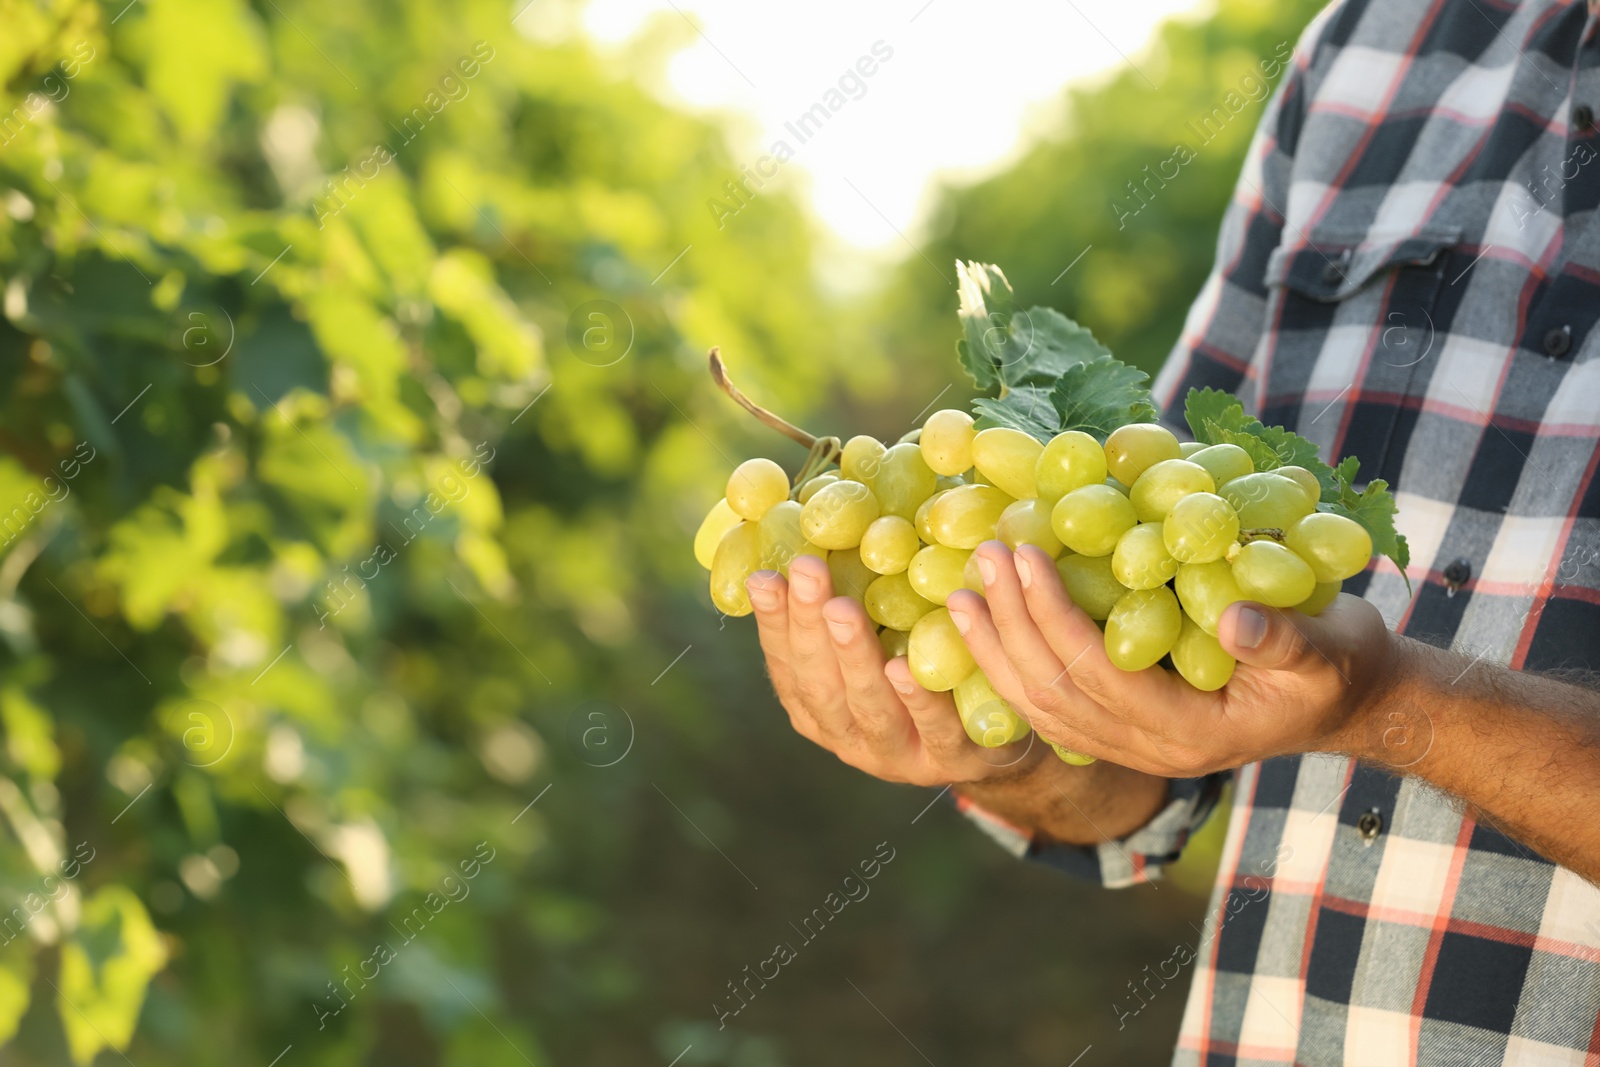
(1153, 538)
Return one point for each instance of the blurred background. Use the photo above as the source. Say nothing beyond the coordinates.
(362, 702)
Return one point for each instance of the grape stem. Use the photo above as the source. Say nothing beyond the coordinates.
(719, 374)
(1271, 532)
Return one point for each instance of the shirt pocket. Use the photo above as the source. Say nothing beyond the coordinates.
(1355, 332)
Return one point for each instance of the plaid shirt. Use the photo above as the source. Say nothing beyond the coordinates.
(1409, 272)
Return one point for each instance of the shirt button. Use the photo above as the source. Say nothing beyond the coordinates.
(1582, 118)
(1456, 573)
(1369, 825)
(1558, 341)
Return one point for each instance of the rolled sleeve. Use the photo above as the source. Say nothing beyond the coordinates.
(1127, 861)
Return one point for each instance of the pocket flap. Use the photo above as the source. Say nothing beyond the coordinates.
(1331, 266)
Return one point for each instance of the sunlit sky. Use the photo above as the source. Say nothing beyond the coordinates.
(965, 84)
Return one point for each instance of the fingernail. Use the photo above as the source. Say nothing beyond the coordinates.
(806, 588)
(842, 631)
(986, 570)
(961, 621)
(1024, 572)
(1249, 628)
(762, 595)
(905, 689)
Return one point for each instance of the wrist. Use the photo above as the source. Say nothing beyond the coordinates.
(1388, 723)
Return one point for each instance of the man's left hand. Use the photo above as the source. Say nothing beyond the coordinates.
(1302, 684)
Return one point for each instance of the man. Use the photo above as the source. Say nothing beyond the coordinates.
(1410, 273)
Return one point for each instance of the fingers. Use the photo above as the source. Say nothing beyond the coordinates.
(970, 613)
(934, 714)
(818, 681)
(1077, 642)
(1031, 656)
(1290, 641)
(876, 709)
(769, 596)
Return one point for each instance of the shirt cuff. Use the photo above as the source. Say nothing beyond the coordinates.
(1116, 864)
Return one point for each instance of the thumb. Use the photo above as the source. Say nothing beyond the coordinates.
(1268, 638)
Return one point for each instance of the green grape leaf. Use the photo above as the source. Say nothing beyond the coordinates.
(1004, 349)
(1027, 409)
(1217, 417)
(1101, 395)
(1374, 508)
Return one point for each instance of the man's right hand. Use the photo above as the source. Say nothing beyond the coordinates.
(829, 672)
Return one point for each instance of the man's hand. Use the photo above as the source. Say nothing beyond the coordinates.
(828, 669)
(1302, 683)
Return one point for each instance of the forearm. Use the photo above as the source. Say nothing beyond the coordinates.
(1073, 805)
(1522, 750)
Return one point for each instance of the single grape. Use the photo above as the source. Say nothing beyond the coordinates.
(1075, 759)
(1205, 590)
(1132, 449)
(965, 517)
(780, 535)
(1200, 528)
(809, 490)
(859, 459)
(754, 486)
(1118, 486)
(971, 576)
(1303, 478)
(948, 481)
(1091, 520)
(904, 480)
(1320, 598)
(1275, 576)
(893, 642)
(1027, 522)
(1266, 501)
(936, 572)
(1336, 547)
(1164, 484)
(1223, 462)
(888, 544)
(892, 602)
(838, 514)
(1007, 459)
(1142, 628)
(718, 521)
(920, 519)
(1200, 658)
(938, 657)
(1070, 461)
(738, 556)
(988, 719)
(947, 441)
(1141, 559)
(1189, 448)
(851, 577)
(1091, 584)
